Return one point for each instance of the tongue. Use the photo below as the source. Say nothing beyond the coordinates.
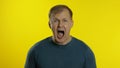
(60, 35)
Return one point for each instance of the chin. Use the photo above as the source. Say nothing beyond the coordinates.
(61, 41)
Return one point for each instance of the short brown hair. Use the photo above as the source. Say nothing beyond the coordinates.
(59, 8)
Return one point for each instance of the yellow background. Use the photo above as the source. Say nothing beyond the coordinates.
(25, 22)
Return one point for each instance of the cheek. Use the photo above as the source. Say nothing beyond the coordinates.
(67, 27)
(54, 27)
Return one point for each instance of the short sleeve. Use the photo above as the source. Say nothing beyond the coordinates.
(90, 61)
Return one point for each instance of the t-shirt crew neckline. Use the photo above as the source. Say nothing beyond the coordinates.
(58, 45)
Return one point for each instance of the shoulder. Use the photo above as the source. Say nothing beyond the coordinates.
(40, 44)
(87, 53)
(80, 44)
(76, 40)
(43, 42)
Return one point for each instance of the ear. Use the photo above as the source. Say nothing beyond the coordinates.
(72, 22)
(49, 24)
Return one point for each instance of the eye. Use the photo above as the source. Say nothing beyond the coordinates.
(64, 20)
(55, 21)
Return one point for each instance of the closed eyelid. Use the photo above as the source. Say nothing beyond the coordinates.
(58, 20)
(65, 20)
(55, 20)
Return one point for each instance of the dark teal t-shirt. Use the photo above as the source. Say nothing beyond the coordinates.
(47, 54)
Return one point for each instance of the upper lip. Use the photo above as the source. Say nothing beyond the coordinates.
(60, 30)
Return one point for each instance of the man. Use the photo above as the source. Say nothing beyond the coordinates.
(61, 50)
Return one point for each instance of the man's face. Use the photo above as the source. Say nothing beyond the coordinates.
(61, 23)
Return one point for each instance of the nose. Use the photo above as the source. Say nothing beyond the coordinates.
(60, 24)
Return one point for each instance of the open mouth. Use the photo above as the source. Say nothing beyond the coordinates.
(60, 34)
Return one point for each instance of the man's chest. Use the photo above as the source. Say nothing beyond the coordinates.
(60, 58)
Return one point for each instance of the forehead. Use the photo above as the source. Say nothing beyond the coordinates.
(62, 14)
